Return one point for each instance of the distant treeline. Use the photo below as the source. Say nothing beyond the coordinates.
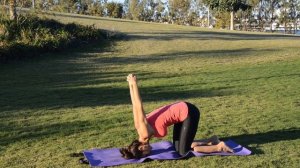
(254, 15)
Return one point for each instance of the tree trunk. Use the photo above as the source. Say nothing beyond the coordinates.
(285, 13)
(208, 19)
(284, 27)
(295, 27)
(12, 9)
(33, 4)
(271, 26)
(231, 20)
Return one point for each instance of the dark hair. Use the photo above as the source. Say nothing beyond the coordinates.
(132, 151)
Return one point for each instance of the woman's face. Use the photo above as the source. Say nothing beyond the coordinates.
(145, 148)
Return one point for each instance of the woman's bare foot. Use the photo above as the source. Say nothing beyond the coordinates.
(222, 147)
(194, 144)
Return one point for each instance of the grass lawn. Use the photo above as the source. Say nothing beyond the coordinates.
(247, 86)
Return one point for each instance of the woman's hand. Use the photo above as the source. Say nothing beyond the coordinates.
(131, 79)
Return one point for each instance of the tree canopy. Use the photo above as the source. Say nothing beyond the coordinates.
(239, 14)
(227, 5)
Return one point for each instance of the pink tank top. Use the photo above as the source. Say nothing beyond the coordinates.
(165, 116)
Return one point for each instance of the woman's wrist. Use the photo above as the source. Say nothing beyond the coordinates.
(132, 83)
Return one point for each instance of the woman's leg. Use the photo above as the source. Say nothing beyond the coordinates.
(184, 133)
(176, 135)
(220, 147)
(213, 140)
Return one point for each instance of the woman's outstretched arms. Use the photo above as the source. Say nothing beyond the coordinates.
(143, 128)
(136, 124)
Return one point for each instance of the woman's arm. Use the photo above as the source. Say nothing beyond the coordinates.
(136, 124)
(140, 120)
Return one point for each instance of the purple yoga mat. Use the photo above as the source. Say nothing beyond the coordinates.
(163, 150)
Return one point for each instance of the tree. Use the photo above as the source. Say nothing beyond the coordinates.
(223, 19)
(159, 11)
(179, 9)
(114, 10)
(70, 4)
(284, 14)
(273, 5)
(150, 9)
(96, 8)
(12, 9)
(298, 14)
(192, 18)
(200, 13)
(260, 13)
(293, 13)
(143, 10)
(133, 10)
(227, 5)
(126, 8)
(33, 4)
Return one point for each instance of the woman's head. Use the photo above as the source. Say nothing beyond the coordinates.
(136, 150)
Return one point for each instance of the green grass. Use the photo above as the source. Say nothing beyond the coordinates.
(246, 84)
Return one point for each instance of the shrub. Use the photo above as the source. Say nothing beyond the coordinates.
(30, 34)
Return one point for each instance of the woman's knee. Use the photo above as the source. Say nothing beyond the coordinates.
(192, 108)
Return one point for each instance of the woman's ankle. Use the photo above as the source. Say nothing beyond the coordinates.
(222, 147)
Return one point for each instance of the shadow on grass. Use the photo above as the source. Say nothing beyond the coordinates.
(205, 35)
(153, 58)
(81, 79)
(33, 133)
(63, 81)
(266, 137)
(82, 97)
(100, 96)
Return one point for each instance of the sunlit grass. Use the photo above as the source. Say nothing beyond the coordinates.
(246, 84)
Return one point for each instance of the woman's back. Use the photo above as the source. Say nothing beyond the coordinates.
(165, 116)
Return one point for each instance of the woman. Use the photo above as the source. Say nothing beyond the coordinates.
(184, 116)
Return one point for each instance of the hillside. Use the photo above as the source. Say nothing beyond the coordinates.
(246, 85)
